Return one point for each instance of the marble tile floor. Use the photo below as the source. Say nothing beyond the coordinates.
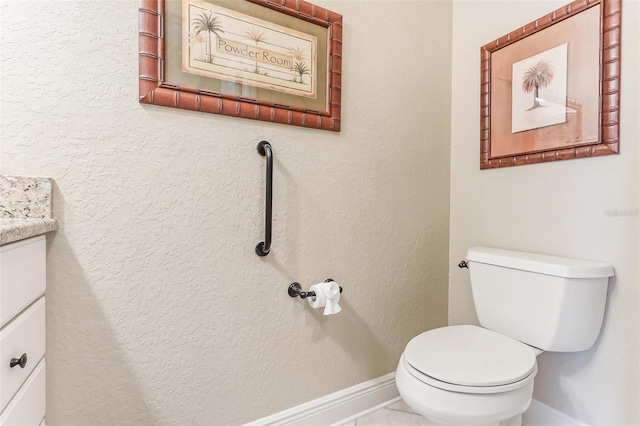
(396, 413)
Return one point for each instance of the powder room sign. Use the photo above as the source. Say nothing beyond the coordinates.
(258, 59)
(221, 43)
(550, 89)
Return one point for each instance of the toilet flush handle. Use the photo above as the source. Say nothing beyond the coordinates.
(463, 264)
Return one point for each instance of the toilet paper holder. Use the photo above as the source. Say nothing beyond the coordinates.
(295, 290)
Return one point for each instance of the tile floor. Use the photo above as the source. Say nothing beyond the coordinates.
(396, 413)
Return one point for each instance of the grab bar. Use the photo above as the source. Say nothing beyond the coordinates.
(263, 248)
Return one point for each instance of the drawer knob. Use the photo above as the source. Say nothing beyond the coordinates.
(22, 361)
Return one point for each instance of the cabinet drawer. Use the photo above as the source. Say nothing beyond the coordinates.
(24, 335)
(29, 405)
(23, 270)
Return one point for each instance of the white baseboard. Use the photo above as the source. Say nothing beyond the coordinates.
(540, 414)
(337, 407)
(345, 405)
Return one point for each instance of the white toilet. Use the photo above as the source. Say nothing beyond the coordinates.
(526, 304)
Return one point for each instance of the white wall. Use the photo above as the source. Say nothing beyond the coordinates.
(557, 208)
(159, 311)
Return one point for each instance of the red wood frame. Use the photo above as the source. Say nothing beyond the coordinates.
(155, 90)
(609, 142)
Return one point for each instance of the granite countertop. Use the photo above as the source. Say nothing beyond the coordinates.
(25, 208)
(19, 229)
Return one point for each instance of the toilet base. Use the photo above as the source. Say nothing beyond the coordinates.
(513, 421)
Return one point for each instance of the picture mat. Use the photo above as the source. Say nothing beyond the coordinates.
(582, 35)
(235, 56)
(173, 57)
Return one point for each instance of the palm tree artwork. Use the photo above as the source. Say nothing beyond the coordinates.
(300, 68)
(298, 55)
(257, 36)
(201, 39)
(536, 76)
(208, 24)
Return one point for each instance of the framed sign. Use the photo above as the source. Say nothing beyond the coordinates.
(550, 90)
(277, 61)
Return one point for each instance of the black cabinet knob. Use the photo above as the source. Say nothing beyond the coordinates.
(22, 361)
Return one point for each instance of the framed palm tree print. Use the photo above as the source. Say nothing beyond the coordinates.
(277, 61)
(550, 89)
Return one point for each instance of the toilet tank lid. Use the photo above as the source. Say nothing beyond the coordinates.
(540, 263)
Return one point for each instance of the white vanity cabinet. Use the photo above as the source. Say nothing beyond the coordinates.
(22, 332)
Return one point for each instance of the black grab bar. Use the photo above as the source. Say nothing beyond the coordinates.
(263, 248)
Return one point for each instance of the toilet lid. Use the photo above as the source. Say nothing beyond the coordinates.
(470, 356)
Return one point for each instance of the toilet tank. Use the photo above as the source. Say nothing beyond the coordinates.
(553, 303)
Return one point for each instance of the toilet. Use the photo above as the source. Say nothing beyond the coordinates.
(526, 304)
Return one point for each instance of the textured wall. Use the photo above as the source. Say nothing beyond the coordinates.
(159, 311)
(564, 208)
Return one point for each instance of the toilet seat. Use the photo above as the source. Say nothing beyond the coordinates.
(466, 389)
(470, 359)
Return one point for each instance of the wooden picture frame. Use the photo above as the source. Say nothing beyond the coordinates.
(550, 89)
(255, 69)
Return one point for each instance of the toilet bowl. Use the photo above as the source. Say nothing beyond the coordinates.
(526, 303)
(467, 375)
